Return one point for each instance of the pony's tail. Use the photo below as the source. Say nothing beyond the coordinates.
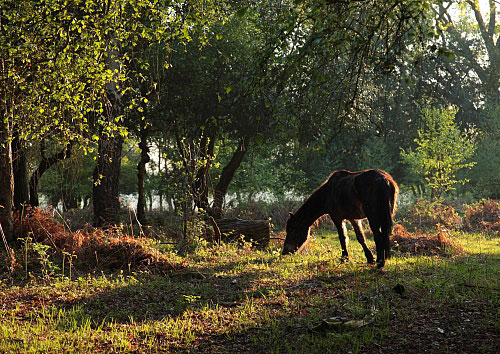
(390, 196)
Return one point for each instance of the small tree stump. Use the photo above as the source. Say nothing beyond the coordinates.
(256, 231)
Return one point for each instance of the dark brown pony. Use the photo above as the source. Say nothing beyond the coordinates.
(349, 196)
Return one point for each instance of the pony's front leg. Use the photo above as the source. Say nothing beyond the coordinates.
(344, 239)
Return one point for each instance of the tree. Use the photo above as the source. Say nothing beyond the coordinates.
(485, 176)
(320, 56)
(52, 76)
(442, 150)
(143, 52)
(474, 40)
(202, 105)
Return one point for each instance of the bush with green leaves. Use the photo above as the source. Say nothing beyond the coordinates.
(442, 149)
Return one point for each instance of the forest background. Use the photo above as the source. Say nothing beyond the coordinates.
(198, 107)
(131, 131)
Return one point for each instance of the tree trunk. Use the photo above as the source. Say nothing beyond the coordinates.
(55, 198)
(70, 201)
(20, 170)
(105, 192)
(226, 177)
(141, 174)
(256, 231)
(6, 181)
(45, 164)
(207, 146)
(160, 191)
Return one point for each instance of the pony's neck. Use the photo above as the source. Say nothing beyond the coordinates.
(313, 207)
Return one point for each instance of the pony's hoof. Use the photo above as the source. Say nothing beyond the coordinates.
(371, 261)
(344, 259)
(380, 264)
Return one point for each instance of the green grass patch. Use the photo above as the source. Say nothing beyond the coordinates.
(236, 299)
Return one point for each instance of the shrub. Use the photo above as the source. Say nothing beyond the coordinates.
(427, 214)
(442, 150)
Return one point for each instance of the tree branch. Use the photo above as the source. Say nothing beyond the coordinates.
(44, 165)
(488, 39)
(491, 24)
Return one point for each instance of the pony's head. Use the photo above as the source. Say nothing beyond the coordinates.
(296, 235)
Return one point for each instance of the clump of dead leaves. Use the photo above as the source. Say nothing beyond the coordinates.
(104, 249)
(483, 216)
(441, 242)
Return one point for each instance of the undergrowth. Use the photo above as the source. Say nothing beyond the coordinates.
(44, 240)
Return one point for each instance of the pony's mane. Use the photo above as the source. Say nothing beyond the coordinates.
(314, 205)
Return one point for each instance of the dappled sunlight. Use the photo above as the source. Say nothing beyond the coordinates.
(481, 244)
(162, 168)
(234, 298)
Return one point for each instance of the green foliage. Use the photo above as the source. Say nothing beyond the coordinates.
(54, 72)
(485, 175)
(37, 256)
(374, 153)
(320, 58)
(69, 180)
(442, 150)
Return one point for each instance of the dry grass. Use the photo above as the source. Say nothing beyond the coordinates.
(420, 243)
(427, 214)
(94, 248)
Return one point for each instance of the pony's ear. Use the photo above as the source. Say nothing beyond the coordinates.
(290, 214)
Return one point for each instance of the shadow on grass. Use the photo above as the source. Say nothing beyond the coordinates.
(446, 304)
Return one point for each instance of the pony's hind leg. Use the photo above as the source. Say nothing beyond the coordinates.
(360, 236)
(344, 239)
(379, 244)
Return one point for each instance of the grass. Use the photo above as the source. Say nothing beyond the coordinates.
(231, 299)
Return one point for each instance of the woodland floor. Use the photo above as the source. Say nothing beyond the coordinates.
(230, 299)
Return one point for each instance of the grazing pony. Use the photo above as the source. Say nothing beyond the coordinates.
(349, 196)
